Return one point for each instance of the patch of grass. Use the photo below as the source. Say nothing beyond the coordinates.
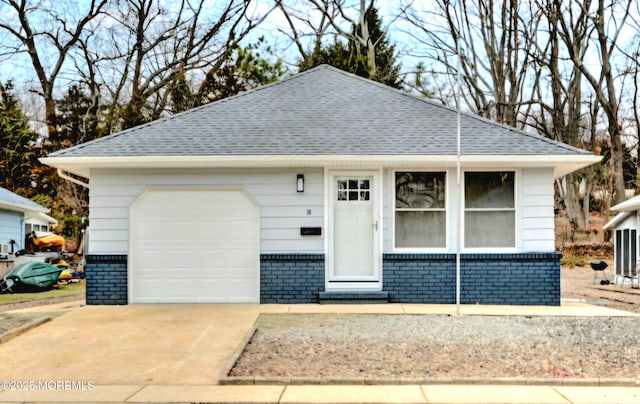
(573, 261)
(59, 291)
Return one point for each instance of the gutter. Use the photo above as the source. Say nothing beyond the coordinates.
(83, 182)
(79, 166)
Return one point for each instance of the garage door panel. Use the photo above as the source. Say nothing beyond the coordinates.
(210, 259)
(179, 288)
(239, 292)
(149, 229)
(214, 232)
(149, 289)
(195, 246)
(240, 259)
(146, 259)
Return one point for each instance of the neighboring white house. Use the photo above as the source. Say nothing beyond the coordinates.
(625, 228)
(321, 186)
(39, 223)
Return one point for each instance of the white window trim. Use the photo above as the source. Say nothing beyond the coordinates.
(446, 210)
(516, 208)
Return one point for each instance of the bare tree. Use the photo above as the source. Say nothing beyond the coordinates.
(488, 40)
(607, 21)
(47, 33)
(632, 79)
(561, 113)
(148, 46)
(306, 28)
(348, 20)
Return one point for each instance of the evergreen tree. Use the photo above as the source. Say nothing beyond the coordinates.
(16, 144)
(78, 122)
(352, 55)
(77, 119)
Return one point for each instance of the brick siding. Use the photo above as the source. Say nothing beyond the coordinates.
(291, 278)
(515, 279)
(106, 279)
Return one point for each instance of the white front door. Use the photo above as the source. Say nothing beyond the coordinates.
(354, 229)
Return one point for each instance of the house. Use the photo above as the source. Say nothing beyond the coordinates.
(324, 185)
(625, 244)
(15, 211)
(39, 223)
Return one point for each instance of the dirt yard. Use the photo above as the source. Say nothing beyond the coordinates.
(577, 283)
(410, 347)
(395, 347)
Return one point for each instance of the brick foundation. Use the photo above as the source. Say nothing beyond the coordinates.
(514, 279)
(291, 278)
(106, 279)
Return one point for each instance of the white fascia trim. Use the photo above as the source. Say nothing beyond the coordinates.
(563, 164)
(20, 208)
(43, 217)
(619, 218)
(628, 205)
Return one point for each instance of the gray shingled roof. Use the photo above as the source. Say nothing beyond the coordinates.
(323, 111)
(10, 200)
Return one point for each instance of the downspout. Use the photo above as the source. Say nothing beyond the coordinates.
(65, 176)
(77, 181)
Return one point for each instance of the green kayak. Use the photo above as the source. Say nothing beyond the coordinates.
(31, 275)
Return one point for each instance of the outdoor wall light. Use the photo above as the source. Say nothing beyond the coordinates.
(300, 183)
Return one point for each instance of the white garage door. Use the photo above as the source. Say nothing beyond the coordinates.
(194, 246)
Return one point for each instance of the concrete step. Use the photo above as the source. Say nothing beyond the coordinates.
(353, 297)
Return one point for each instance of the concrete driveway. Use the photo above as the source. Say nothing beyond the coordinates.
(136, 344)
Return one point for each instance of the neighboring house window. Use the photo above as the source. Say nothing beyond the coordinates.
(626, 252)
(489, 209)
(420, 214)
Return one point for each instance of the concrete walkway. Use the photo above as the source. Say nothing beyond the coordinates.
(178, 353)
(331, 394)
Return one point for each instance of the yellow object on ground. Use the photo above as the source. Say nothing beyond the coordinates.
(49, 240)
(65, 275)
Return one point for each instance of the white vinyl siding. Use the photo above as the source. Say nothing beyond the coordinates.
(536, 196)
(282, 210)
